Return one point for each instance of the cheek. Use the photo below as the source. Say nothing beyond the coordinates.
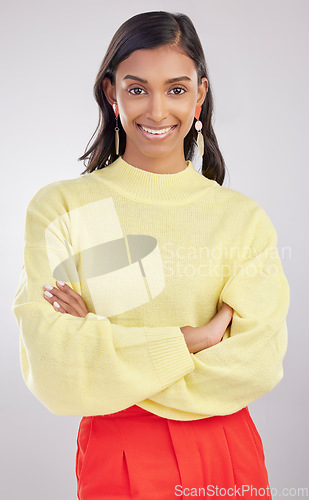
(128, 120)
(184, 111)
(129, 110)
(128, 126)
(187, 120)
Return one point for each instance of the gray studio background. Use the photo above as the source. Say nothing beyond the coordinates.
(256, 53)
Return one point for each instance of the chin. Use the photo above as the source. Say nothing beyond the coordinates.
(152, 153)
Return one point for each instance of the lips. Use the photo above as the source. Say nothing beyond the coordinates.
(156, 134)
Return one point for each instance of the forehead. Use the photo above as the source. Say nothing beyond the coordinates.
(157, 64)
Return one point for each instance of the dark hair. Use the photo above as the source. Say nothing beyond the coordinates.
(146, 31)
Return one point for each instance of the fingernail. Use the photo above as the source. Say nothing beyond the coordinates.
(48, 287)
(56, 304)
(48, 294)
(60, 283)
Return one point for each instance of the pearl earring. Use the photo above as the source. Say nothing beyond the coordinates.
(198, 127)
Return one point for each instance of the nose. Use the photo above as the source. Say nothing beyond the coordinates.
(157, 107)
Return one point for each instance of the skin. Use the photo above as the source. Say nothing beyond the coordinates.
(155, 105)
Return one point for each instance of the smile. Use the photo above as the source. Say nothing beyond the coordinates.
(156, 134)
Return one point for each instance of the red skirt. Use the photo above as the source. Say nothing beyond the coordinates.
(136, 454)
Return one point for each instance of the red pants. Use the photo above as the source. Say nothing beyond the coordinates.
(136, 454)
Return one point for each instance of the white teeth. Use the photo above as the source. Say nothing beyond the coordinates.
(156, 132)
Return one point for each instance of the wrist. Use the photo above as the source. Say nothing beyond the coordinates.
(194, 337)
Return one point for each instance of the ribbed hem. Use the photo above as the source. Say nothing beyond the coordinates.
(169, 353)
(151, 187)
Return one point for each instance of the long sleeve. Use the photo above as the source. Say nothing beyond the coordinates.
(83, 366)
(247, 363)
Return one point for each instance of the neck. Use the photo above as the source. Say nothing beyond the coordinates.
(180, 186)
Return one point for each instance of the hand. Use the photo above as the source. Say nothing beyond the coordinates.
(227, 309)
(202, 337)
(70, 302)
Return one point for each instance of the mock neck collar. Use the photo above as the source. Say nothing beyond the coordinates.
(142, 185)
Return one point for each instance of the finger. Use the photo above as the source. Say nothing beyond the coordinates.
(61, 295)
(53, 302)
(77, 300)
(68, 290)
(67, 299)
(60, 306)
(64, 308)
(67, 302)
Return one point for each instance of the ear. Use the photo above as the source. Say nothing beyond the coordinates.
(202, 91)
(109, 91)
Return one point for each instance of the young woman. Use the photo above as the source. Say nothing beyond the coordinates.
(168, 316)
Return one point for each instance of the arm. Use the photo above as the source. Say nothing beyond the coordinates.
(247, 363)
(201, 337)
(84, 366)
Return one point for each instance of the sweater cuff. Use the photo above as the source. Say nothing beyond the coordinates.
(169, 353)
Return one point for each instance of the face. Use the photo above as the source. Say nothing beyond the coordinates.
(156, 91)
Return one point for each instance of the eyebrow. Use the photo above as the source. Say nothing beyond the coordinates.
(171, 80)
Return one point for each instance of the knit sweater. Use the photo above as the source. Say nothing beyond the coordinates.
(150, 253)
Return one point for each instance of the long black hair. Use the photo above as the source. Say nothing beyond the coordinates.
(147, 31)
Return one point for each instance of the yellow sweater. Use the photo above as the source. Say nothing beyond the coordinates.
(150, 253)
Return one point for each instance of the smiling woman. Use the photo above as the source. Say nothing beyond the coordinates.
(157, 77)
(168, 314)
(157, 115)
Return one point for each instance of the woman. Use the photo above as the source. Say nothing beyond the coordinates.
(169, 311)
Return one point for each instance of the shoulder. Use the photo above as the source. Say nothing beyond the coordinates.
(238, 202)
(236, 199)
(254, 218)
(58, 193)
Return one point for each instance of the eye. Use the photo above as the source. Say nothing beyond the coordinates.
(135, 93)
(179, 88)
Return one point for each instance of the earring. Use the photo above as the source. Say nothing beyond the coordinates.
(198, 127)
(116, 111)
